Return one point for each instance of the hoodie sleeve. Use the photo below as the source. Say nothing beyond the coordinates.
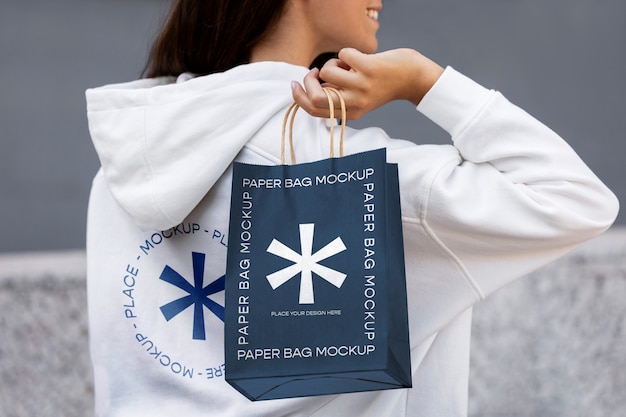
(516, 197)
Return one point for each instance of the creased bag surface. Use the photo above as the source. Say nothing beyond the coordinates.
(315, 287)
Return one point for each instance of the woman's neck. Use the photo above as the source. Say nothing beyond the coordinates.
(280, 52)
(289, 41)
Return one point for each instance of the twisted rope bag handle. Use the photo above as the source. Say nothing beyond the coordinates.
(290, 116)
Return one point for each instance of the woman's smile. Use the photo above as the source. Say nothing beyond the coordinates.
(372, 13)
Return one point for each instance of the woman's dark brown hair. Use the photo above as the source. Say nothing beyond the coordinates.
(208, 36)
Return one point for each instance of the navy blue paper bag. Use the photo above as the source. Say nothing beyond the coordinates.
(315, 283)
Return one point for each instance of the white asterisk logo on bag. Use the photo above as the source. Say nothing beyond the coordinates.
(306, 263)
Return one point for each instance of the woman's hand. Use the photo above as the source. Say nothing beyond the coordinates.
(368, 81)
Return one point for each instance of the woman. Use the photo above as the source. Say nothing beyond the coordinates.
(505, 198)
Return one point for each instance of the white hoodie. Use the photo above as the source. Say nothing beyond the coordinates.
(505, 198)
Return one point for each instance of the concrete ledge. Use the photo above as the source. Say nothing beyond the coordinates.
(44, 360)
(35, 266)
(551, 344)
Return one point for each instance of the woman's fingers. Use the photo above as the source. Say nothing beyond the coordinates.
(311, 97)
(368, 81)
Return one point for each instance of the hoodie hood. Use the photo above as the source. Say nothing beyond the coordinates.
(158, 160)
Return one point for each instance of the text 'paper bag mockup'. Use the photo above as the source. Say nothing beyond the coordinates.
(315, 283)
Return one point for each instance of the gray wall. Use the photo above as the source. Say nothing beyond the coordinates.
(562, 60)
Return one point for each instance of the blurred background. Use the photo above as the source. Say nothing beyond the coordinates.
(562, 60)
(557, 350)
